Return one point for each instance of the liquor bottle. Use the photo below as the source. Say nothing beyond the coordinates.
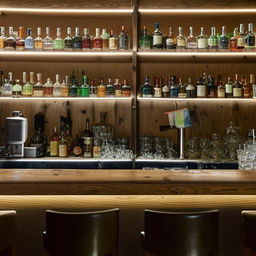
(105, 39)
(97, 41)
(86, 40)
(250, 37)
(85, 88)
(170, 41)
(174, 91)
(7, 87)
(68, 41)
(57, 87)
(202, 40)
(201, 87)
(145, 41)
(147, 90)
(65, 87)
(223, 42)
(69, 139)
(58, 42)
(221, 92)
(74, 86)
(27, 90)
(241, 38)
(1, 81)
(54, 143)
(2, 37)
(157, 88)
(182, 90)
(20, 42)
(166, 89)
(48, 88)
(229, 88)
(234, 40)
(113, 41)
(77, 40)
(213, 39)
(77, 147)
(247, 90)
(190, 89)
(157, 37)
(29, 41)
(47, 41)
(118, 88)
(10, 41)
(39, 141)
(17, 89)
(38, 42)
(211, 86)
(63, 145)
(126, 89)
(237, 88)
(101, 89)
(96, 148)
(191, 40)
(181, 39)
(88, 140)
(38, 87)
(253, 85)
(93, 88)
(123, 40)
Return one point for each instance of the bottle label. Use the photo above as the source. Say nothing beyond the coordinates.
(181, 42)
(118, 93)
(87, 44)
(169, 42)
(38, 45)
(201, 90)
(1, 43)
(174, 92)
(105, 43)
(237, 92)
(126, 93)
(190, 93)
(223, 42)
(213, 42)
(96, 151)
(166, 89)
(84, 91)
(158, 92)
(97, 43)
(101, 91)
(157, 39)
(254, 90)
(241, 42)
(221, 93)
(64, 92)
(123, 42)
(58, 44)
(233, 44)
(246, 93)
(182, 95)
(202, 43)
(29, 43)
(88, 147)
(38, 93)
(63, 150)
(113, 43)
(77, 150)
(54, 148)
(250, 40)
(68, 44)
(77, 44)
(229, 88)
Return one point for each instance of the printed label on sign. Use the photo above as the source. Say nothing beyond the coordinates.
(201, 90)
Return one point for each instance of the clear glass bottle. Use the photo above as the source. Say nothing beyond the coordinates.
(101, 89)
(38, 42)
(250, 37)
(57, 87)
(253, 85)
(157, 88)
(246, 88)
(86, 41)
(73, 91)
(166, 88)
(77, 40)
(182, 90)
(212, 87)
(190, 89)
(223, 42)
(65, 87)
(20, 42)
(47, 41)
(2, 37)
(126, 89)
(157, 37)
(97, 41)
(191, 40)
(181, 39)
(145, 41)
(113, 41)
(213, 39)
(118, 88)
(234, 40)
(10, 41)
(68, 41)
(38, 87)
(105, 38)
(93, 88)
(201, 87)
(17, 89)
(229, 88)
(1, 82)
(221, 92)
(241, 37)
(237, 88)
(29, 41)
(202, 40)
(110, 89)
(123, 40)
(7, 87)
(58, 42)
(27, 90)
(48, 88)
(85, 88)
(147, 90)
(63, 144)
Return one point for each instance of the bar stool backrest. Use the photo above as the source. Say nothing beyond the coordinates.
(7, 232)
(82, 233)
(181, 233)
(249, 229)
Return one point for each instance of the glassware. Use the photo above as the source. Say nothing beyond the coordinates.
(38, 41)
(145, 41)
(105, 37)
(202, 40)
(47, 41)
(123, 40)
(157, 37)
(191, 40)
(223, 42)
(69, 41)
(58, 42)
(213, 39)
(181, 39)
(77, 40)
(86, 41)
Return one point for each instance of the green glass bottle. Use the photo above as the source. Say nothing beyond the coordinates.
(74, 86)
(58, 42)
(85, 88)
(145, 41)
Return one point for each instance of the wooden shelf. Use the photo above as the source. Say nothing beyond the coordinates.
(99, 99)
(198, 99)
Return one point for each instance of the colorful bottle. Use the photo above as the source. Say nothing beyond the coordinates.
(2, 37)
(157, 88)
(10, 41)
(93, 88)
(202, 40)
(237, 88)
(221, 92)
(68, 41)
(241, 38)
(229, 88)
(105, 39)
(234, 40)
(17, 89)
(77, 40)
(48, 88)
(65, 87)
(85, 88)
(191, 40)
(54, 143)
(113, 41)
(147, 90)
(47, 41)
(223, 42)
(101, 89)
(97, 41)
(20, 42)
(74, 86)
(38, 42)
(250, 38)
(174, 92)
(38, 87)
(29, 41)
(145, 41)
(88, 140)
(247, 90)
(58, 42)
(118, 88)
(126, 89)
(211, 86)
(63, 145)
(57, 87)
(213, 39)
(157, 37)
(86, 41)
(27, 90)
(123, 40)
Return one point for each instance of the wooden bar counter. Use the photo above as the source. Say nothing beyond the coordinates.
(126, 182)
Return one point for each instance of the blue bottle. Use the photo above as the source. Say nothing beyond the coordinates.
(174, 91)
(29, 41)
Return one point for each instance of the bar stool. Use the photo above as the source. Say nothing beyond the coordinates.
(180, 233)
(82, 233)
(7, 233)
(249, 232)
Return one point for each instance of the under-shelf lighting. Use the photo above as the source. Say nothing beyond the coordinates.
(197, 99)
(100, 99)
(56, 159)
(199, 54)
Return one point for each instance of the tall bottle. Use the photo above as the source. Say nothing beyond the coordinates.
(74, 86)
(123, 39)
(221, 93)
(105, 39)
(85, 88)
(145, 41)
(27, 90)
(20, 42)
(29, 41)
(250, 38)
(38, 87)
(7, 87)
(157, 37)
(174, 87)
(110, 89)
(38, 42)
(68, 41)
(213, 39)
(77, 40)
(58, 42)
(202, 40)
(246, 89)
(93, 88)
(65, 87)
(57, 87)
(211, 86)
(234, 40)
(241, 37)
(118, 88)
(147, 90)
(237, 88)
(2, 37)
(48, 88)
(182, 90)
(54, 143)
(190, 89)
(47, 41)
(223, 42)
(86, 40)
(88, 140)
(63, 144)
(113, 41)
(157, 88)
(166, 88)
(229, 88)
(126, 89)
(201, 87)
(181, 39)
(97, 41)
(191, 40)
(101, 89)
(17, 89)
(253, 85)
(10, 41)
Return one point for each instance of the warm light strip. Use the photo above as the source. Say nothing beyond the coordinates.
(197, 11)
(192, 54)
(196, 99)
(63, 160)
(75, 11)
(68, 98)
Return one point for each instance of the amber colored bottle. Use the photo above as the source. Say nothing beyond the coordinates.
(101, 89)
(20, 42)
(54, 143)
(247, 90)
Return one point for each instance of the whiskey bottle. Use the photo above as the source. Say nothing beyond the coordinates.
(170, 40)
(113, 41)
(10, 41)
(57, 87)
(65, 87)
(221, 93)
(2, 37)
(58, 42)
(126, 89)
(237, 88)
(54, 143)
(38, 87)
(241, 37)
(123, 40)
(63, 145)
(145, 41)
(96, 148)
(7, 89)
(201, 87)
(74, 86)
(77, 147)
(105, 39)
(118, 88)
(250, 37)
(157, 37)
(190, 90)
(48, 88)
(147, 90)
(88, 140)
(181, 39)
(27, 90)
(247, 90)
(86, 40)
(191, 40)
(29, 41)
(47, 41)
(93, 88)
(85, 88)
(20, 42)
(202, 40)
(223, 42)
(234, 40)
(77, 40)
(182, 90)
(17, 89)
(68, 41)
(97, 41)
(174, 91)
(229, 88)
(212, 88)
(157, 88)
(38, 42)
(213, 39)
(101, 89)
(166, 88)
